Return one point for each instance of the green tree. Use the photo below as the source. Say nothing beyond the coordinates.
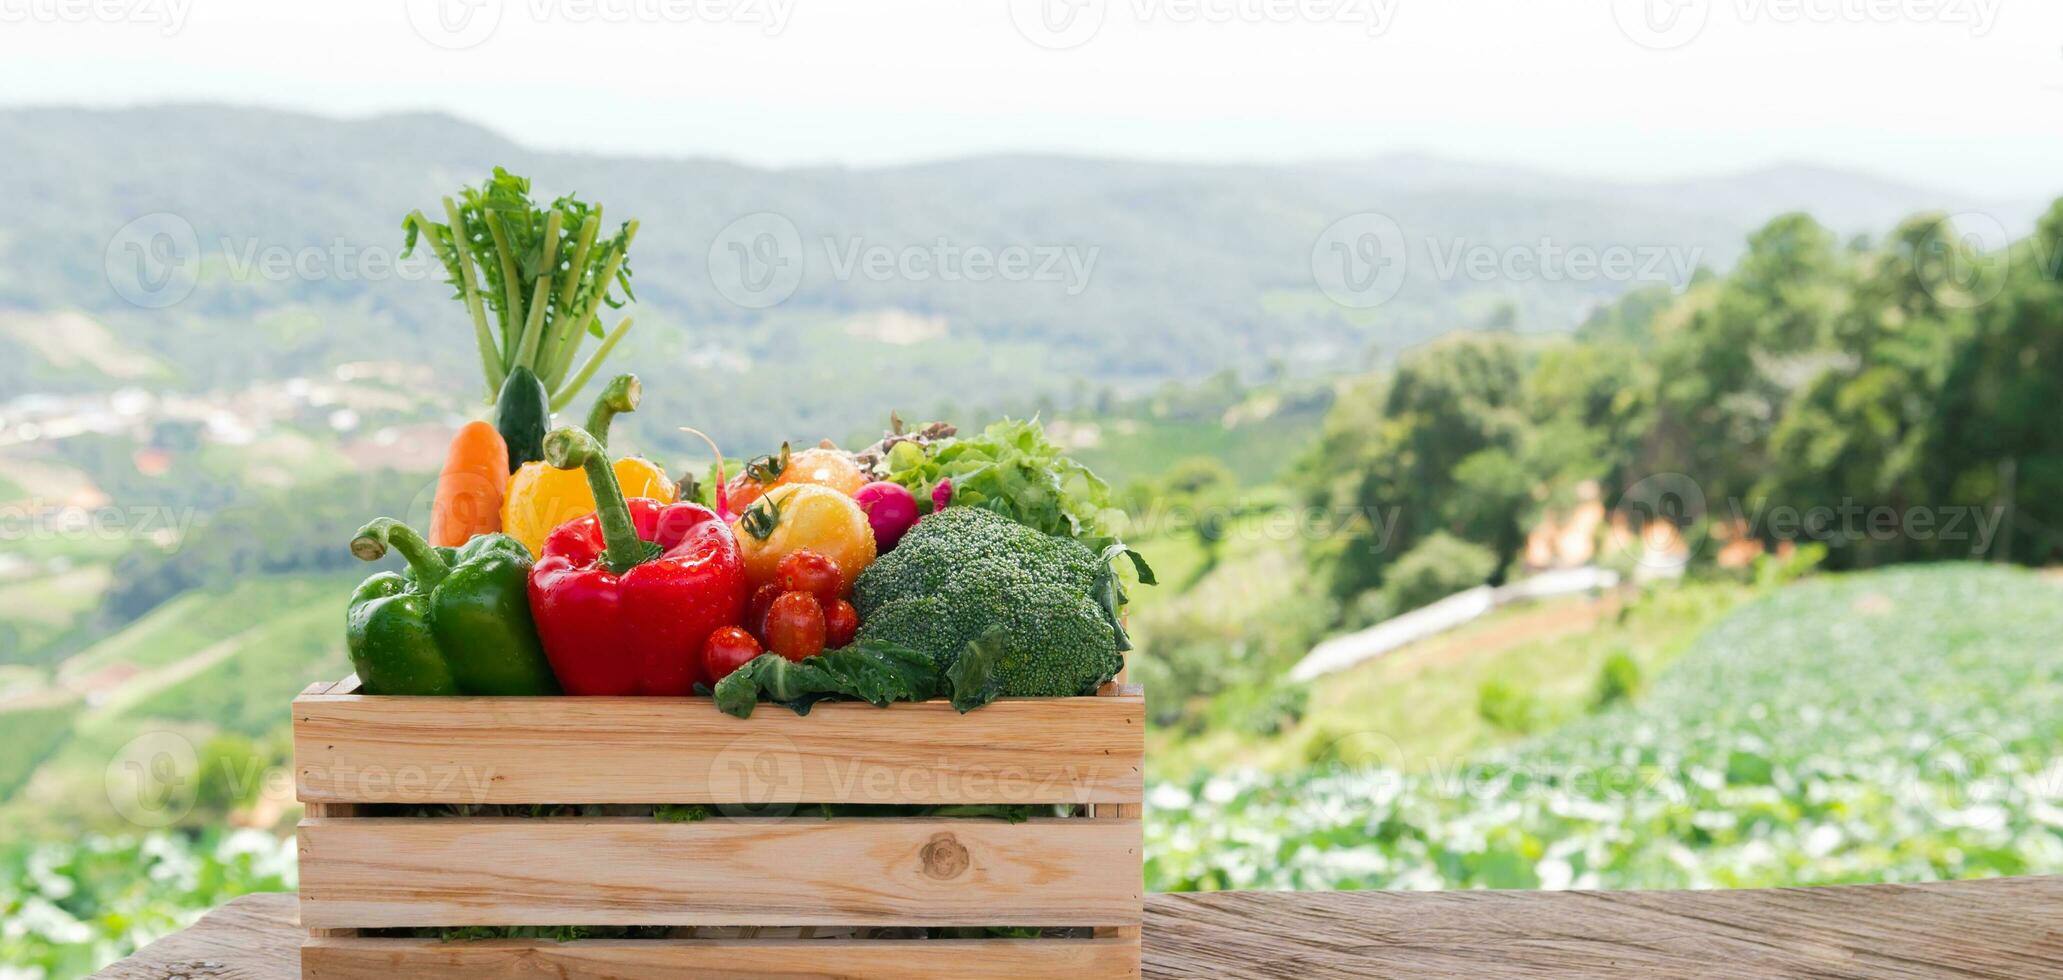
(1998, 442)
(1858, 433)
(1394, 453)
(1725, 370)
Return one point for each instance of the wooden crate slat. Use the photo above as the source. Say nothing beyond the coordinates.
(360, 749)
(681, 959)
(395, 872)
(321, 810)
(1121, 811)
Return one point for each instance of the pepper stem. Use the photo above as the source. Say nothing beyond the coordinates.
(622, 395)
(567, 448)
(382, 533)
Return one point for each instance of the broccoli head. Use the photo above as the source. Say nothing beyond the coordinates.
(1039, 610)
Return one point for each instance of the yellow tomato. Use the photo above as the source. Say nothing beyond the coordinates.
(804, 517)
(832, 468)
(540, 498)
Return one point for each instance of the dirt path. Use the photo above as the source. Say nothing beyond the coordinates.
(140, 687)
(1503, 630)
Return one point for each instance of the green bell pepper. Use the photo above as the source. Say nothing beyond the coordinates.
(456, 622)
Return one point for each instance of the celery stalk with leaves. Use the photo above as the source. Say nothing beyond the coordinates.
(544, 274)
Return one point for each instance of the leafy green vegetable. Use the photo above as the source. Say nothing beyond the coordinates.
(873, 672)
(547, 273)
(1013, 469)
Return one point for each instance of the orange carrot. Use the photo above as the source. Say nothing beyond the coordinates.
(469, 490)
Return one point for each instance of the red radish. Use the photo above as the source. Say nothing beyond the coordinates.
(890, 509)
(941, 495)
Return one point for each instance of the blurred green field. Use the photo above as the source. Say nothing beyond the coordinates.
(1426, 699)
(38, 610)
(201, 664)
(197, 620)
(1255, 450)
(249, 689)
(27, 737)
(1886, 726)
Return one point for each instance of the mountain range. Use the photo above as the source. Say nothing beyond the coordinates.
(1133, 273)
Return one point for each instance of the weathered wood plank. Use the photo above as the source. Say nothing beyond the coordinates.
(321, 810)
(688, 959)
(2008, 927)
(390, 872)
(354, 748)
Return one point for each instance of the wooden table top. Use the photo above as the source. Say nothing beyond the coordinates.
(2005, 928)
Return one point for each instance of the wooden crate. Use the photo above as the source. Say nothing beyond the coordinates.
(762, 892)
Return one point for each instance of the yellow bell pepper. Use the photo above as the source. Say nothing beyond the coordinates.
(540, 498)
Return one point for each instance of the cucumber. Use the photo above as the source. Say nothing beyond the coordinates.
(522, 412)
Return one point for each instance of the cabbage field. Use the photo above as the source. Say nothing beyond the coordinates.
(68, 908)
(1894, 726)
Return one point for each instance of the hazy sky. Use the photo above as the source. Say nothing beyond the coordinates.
(1961, 94)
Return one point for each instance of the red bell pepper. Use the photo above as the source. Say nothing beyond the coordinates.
(625, 597)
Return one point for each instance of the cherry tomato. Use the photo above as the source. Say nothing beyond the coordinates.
(807, 571)
(755, 610)
(795, 626)
(841, 622)
(728, 649)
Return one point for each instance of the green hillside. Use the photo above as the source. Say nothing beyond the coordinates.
(27, 737)
(200, 619)
(204, 663)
